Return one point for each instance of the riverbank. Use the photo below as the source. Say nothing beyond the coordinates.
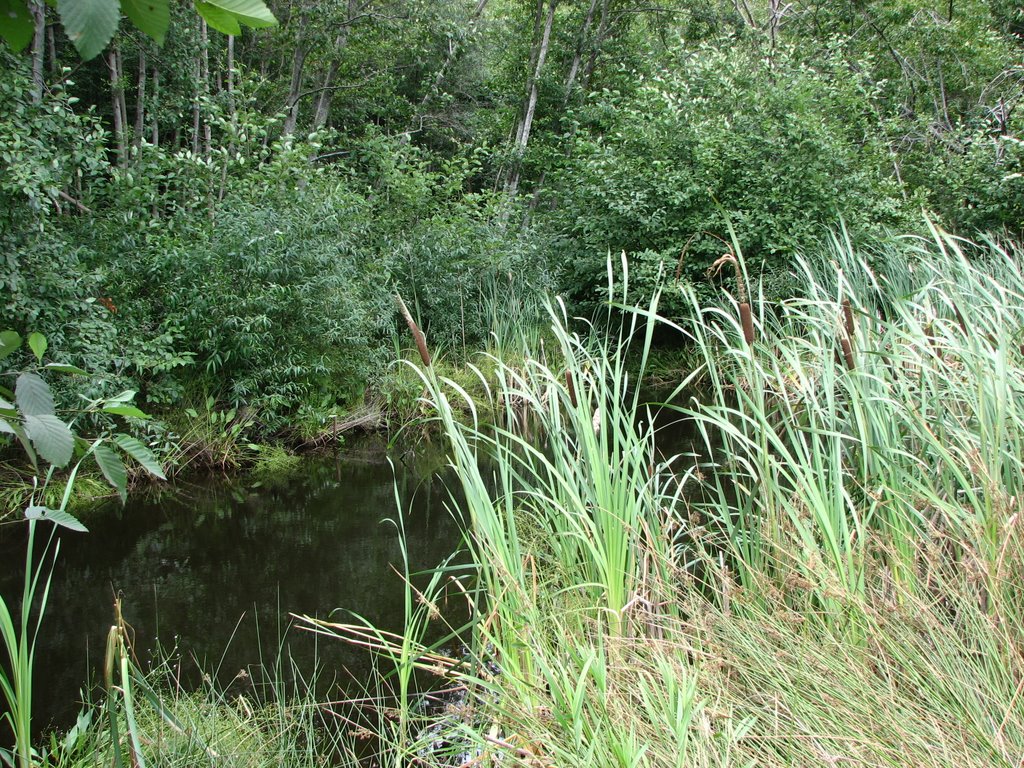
(834, 576)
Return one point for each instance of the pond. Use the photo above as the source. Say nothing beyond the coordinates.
(213, 569)
(210, 570)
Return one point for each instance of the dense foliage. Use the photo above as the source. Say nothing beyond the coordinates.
(230, 217)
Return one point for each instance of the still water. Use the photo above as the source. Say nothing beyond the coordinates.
(214, 569)
(210, 571)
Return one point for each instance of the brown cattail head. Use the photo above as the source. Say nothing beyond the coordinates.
(848, 319)
(847, 353)
(417, 334)
(730, 258)
(748, 323)
(570, 387)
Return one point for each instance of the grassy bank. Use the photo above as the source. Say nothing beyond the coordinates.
(836, 579)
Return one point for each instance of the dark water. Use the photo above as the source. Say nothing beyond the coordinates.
(212, 569)
(215, 568)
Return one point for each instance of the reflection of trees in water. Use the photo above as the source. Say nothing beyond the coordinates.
(191, 565)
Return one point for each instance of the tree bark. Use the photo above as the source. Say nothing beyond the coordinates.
(116, 99)
(454, 48)
(295, 84)
(140, 98)
(154, 112)
(599, 38)
(52, 44)
(530, 108)
(204, 77)
(577, 59)
(38, 10)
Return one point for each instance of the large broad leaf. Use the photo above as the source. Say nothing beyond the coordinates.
(9, 340)
(89, 23)
(112, 467)
(252, 13)
(219, 19)
(56, 516)
(140, 453)
(33, 396)
(150, 16)
(16, 27)
(37, 343)
(51, 438)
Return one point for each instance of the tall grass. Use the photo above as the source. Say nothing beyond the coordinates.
(837, 580)
(885, 402)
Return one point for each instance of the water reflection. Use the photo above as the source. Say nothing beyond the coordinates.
(216, 568)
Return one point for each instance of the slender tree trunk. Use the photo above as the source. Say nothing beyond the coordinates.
(526, 125)
(323, 101)
(577, 58)
(454, 48)
(295, 84)
(599, 38)
(51, 39)
(116, 103)
(140, 98)
(204, 77)
(38, 10)
(155, 106)
(196, 110)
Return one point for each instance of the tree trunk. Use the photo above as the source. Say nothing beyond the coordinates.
(154, 111)
(323, 101)
(577, 58)
(526, 124)
(52, 44)
(38, 10)
(295, 85)
(599, 38)
(140, 98)
(454, 48)
(116, 99)
(204, 78)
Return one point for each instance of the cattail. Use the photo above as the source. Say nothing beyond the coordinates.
(847, 353)
(417, 334)
(748, 323)
(746, 319)
(848, 318)
(570, 387)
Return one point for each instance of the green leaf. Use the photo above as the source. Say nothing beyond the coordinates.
(22, 436)
(140, 453)
(9, 340)
(33, 396)
(6, 428)
(89, 23)
(252, 13)
(62, 368)
(16, 25)
(150, 16)
(125, 397)
(55, 516)
(113, 469)
(125, 410)
(217, 18)
(51, 438)
(38, 344)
